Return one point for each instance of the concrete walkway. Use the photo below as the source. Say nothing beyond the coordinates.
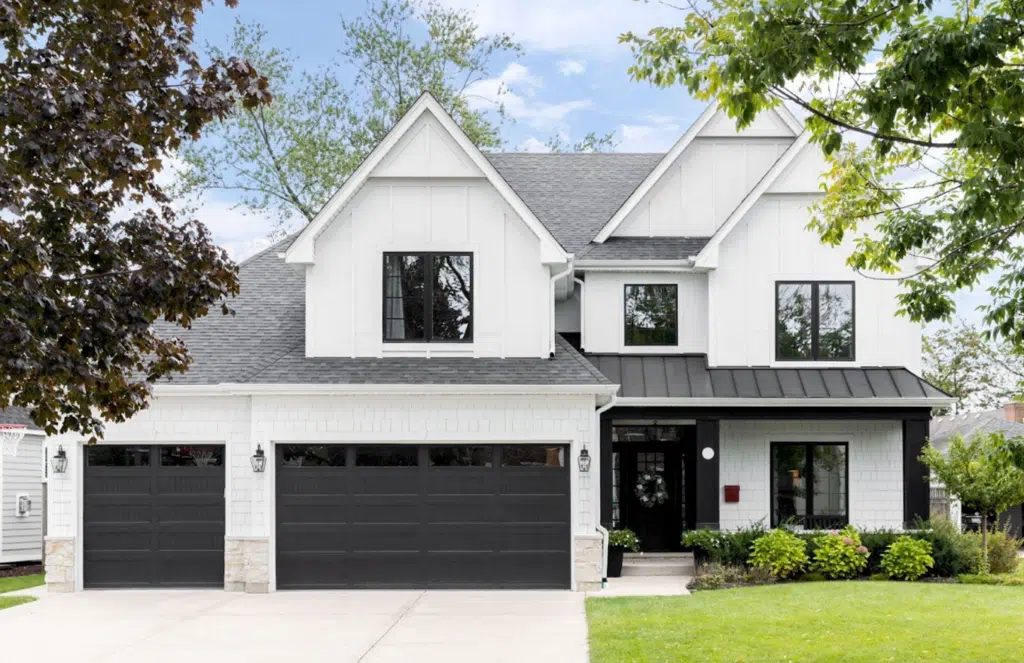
(340, 627)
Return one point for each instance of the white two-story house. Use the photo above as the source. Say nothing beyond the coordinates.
(456, 375)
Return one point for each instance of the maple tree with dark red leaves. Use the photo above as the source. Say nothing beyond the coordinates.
(95, 97)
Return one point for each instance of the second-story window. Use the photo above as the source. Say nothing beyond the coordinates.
(428, 297)
(814, 321)
(652, 314)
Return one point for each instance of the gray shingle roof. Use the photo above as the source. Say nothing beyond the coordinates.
(15, 415)
(265, 342)
(688, 376)
(966, 425)
(574, 195)
(644, 248)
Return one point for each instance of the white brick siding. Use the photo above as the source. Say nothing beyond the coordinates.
(875, 466)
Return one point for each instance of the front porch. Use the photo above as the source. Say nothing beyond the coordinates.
(729, 468)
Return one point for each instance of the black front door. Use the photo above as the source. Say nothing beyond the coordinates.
(665, 451)
(658, 525)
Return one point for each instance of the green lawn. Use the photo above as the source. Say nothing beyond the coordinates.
(11, 601)
(21, 582)
(823, 621)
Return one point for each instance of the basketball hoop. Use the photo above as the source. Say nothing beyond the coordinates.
(10, 436)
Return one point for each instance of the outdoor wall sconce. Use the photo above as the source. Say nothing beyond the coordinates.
(708, 453)
(584, 460)
(259, 460)
(59, 461)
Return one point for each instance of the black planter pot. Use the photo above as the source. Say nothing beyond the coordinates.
(615, 561)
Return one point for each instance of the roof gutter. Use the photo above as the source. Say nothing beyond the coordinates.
(243, 389)
(937, 401)
(686, 265)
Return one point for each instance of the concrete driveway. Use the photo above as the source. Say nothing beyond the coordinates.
(304, 627)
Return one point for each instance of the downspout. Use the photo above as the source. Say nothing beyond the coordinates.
(554, 279)
(601, 530)
(583, 312)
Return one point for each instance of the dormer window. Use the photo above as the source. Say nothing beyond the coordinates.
(814, 321)
(428, 297)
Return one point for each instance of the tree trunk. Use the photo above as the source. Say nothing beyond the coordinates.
(984, 541)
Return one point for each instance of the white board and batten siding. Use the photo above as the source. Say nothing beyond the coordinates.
(21, 537)
(605, 311)
(427, 196)
(709, 179)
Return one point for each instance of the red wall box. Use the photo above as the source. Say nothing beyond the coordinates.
(732, 493)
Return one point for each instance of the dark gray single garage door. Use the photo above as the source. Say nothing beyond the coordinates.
(154, 516)
(403, 516)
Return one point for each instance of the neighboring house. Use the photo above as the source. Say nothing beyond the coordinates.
(405, 366)
(1009, 421)
(22, 500)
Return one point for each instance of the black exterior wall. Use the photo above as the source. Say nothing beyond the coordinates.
(915, 473)
(707, 474)
(915, 433)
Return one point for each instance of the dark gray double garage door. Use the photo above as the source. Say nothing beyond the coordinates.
(154, 516)
(348, 516)
(397, 516)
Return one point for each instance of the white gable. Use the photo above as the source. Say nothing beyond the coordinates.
(427, 150)
(768, 124)
(704, 185)
(804, 175)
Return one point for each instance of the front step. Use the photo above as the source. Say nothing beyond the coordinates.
(658, 564)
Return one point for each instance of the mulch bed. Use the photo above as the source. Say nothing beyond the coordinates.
(15, 570)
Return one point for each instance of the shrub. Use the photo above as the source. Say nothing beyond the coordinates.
(757, 575)
(954, 553)
(779, 552)
(706, 542)
(907, 558)
(737, 545)
(813, 576)
(840, 554)
(716, 576)
(877, 542)
(1002, 552)
(624, 538)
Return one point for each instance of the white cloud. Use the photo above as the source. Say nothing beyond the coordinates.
(569, 25)
(659, 119)
(517, 89)
(572, 67)
(647, 137)
(532, 144)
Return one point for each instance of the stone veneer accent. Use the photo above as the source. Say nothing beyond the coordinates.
(247, 565)
(589, 560)
(60, 564)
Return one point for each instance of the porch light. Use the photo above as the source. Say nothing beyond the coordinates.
(584, 460)
(707, 453)
(259, 460)
(59, 461)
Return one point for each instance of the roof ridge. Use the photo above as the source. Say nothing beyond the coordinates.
(268, 249)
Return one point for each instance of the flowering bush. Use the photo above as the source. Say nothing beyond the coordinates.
(779, 552)
(840, 554)
(907, 558)
(624, 538)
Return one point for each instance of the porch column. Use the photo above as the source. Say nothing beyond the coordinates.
(606, 472)
(916, 487)
(707, 474)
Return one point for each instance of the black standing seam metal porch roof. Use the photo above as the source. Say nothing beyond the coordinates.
(688, 376)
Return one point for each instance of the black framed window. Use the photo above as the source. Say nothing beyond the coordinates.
(814, 321)
(652, 314)
(428, 297)
(810, 484)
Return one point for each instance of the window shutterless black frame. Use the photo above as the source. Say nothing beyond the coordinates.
(815, 332)
(809, 464)
(428, 294)
(625, 319)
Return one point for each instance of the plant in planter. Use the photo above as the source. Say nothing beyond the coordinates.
(619, 541)
(706, 544)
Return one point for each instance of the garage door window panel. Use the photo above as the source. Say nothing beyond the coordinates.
(312, 455)
(117, 456)
(461, 456)
(532, 455)
(192, 456)
(387, 456)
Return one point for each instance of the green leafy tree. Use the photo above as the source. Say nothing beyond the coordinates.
(288, 158)
(979, 372)
(918, 110)
(592, 142)
(982, 473)
(94, 95)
